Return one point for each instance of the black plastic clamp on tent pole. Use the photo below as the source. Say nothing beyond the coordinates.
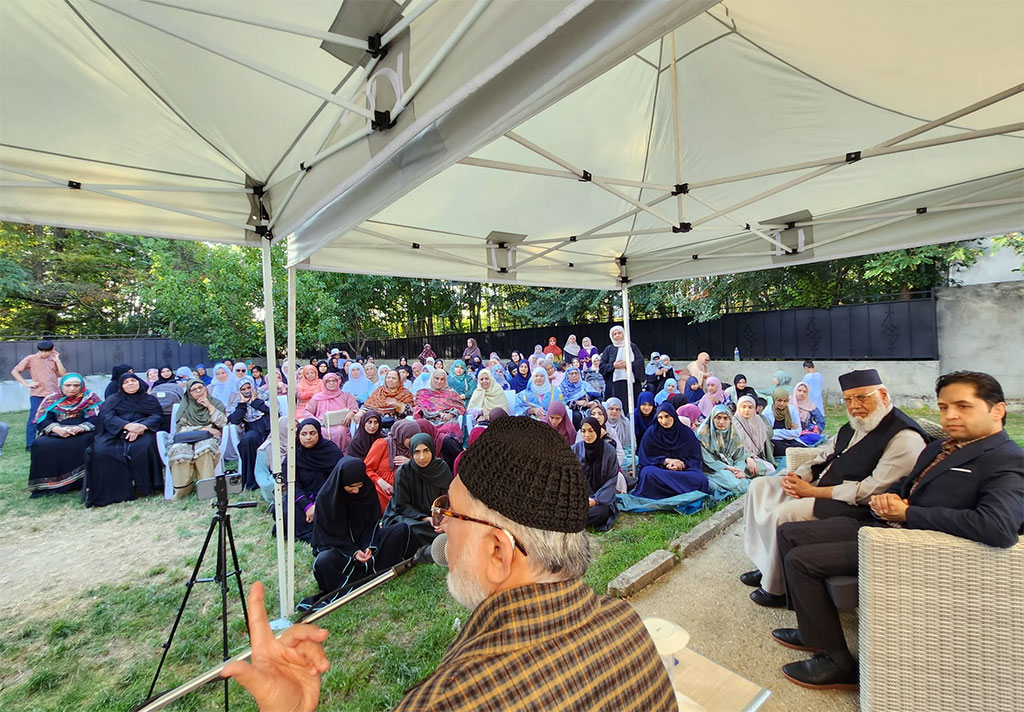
(503, 270)
(922, 211)
(623, 280)
(415, 245)
(693, 257)
(374, 48)
(853, 156)
(681, 189)
(682, 227)
(587, 177)
(790, 225)
(621, 260)
(572, 238)
(382, 120)
(304, 167)
(257, 190)
(264, 231)
(74, 185)
(571, 264)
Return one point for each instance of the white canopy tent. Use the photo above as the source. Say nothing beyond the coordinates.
(460, 152)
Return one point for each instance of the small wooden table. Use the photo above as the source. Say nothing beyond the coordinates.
(706, 686)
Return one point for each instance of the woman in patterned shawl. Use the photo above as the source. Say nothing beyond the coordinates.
(438, 403)
(65, 423)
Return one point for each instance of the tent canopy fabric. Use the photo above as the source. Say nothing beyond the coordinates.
(926, 101)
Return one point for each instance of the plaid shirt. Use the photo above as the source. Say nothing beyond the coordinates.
(546, 647)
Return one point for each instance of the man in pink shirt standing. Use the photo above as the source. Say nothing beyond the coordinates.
(45, 370)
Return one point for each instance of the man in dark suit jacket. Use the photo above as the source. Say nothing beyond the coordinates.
(970, 485)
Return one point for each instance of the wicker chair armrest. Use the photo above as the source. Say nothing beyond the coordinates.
(797, 456)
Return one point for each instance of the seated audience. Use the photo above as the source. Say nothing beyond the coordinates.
(698, 368)
(783, 380)
(358, 385)
(307, 385)
(252, 415)
(152, 375)
(487, 394)
(166, 375)
(812, 420)
(461, 381)
(722, 451)
(258, 379)
(64, 426)
(714, 395)
(195, 450)
(167, 395)
(756, 437)
(471, 350)
(438, 403)
(878, 446)
(571, 348)
(558, 418)
(373, 375)
(814, 382)
(784, 419)
(690, 416)
(669, 459)
(404, 367)
(386, 455)
(321, 368)
(447, 439)
(222, 387)
(598, 413)
(422, 379)
(420, 481)
(644, 418)
(575, 393)
(968, 485)
(740, 388)
(618, 424)
(315, 459)
(499, 374)
(591, 371)
(587, 350)
(669, 389)
(348, 544)
(391, 400)
(368, 431)
(332, 399)
(520, 379)
(124, 452)
(601, 469)
(538, 396)
(115, 378)
(426, 353)
(553, 349)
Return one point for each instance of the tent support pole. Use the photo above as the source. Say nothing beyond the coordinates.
(275, 452)
(629, 371)
(391, 34)
(677, 138)
(552, 173)
(290, 592)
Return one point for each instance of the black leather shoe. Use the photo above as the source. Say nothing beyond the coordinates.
(790, 638)
(751, 578)
(820, 673)
(763, 598)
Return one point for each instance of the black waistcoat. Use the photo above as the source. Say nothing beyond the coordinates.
(858, 462)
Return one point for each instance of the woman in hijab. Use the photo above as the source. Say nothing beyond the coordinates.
(618, 424)
(756, 437)
(488, 394)
(347, 543)
(115, 378)
(598, 413)
(613, 365)
(387, 455)
(499, 374)
(438, 403)
(471, 350)
(201, 374)
(513, 365)
(422, 377)
(812, 421)
(372, 375)
(460, 380)
(713, 395)
(575, 392)
(358, 384)
(426, 353)
(124, 452)
(669, 458)
(196, 448)
(783, 380)
(307, 385)
(315, 459)
(689, 415)
(367, 433)
(419, 482)
(405, 369)
(447, 439)
(553, 349)
(644, 418)
(152, 375)
(253, 416)
(538, 396)
(65, 424)
(321, 368)
(740, 388)
(723, 454)
(558, 418)
(391, 399)
(571, 349)
(222, 387)
(692, 389)
(670, 389)
(166, 376)
(601, 470)
(521, 378)
(784, 419)
(258, 378)
(330, 399)
(587, 350)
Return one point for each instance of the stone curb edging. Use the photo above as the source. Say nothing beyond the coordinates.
(660, 562)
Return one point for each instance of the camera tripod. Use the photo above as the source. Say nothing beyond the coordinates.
(221, 523)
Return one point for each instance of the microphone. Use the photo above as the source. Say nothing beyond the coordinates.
(436, 553)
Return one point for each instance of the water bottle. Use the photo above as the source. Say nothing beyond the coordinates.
(736, 354)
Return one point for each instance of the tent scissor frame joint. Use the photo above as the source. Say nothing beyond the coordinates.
(375, 47)
(382, 120)
(682, 227)
(586, 176)
(853, 156)
(681, 189)
(74, 185)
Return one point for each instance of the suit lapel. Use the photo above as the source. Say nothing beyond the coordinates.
(961, 456)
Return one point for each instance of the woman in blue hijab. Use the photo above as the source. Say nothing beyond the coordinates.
(670, 459)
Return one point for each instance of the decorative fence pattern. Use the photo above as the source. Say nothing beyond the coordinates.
(896, 330)
(95, 356)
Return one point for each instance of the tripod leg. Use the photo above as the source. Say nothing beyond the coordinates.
(223, 581)
(188, 590)
(238, 571)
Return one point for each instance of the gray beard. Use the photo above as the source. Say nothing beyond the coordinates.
(462, 587)
(870, 422)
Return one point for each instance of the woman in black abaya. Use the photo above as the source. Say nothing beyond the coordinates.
(347, 543)
(124, 452)
(315, 458)
(417, 484)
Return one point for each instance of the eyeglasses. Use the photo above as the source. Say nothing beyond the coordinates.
(239, 370)
(860, 399)
(440, 509)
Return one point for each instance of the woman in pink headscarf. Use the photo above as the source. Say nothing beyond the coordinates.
(713, 395)
(689, 414)
(329, 399)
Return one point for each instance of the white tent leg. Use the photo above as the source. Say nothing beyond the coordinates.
(274, 455)
(677, 138)
(629, 372)
(290, 566)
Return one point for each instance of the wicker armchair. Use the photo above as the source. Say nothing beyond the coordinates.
(941, 623)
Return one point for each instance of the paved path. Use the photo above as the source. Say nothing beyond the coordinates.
(704, 595)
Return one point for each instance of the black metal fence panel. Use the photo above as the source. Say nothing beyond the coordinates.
(897, 330)
(95, 356)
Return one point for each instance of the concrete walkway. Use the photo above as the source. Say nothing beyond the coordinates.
(704, 595)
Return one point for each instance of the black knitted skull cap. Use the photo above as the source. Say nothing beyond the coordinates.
(524, 470)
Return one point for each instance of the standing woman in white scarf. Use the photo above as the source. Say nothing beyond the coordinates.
(613, 367)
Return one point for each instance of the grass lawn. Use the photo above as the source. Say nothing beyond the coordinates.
(96, 646)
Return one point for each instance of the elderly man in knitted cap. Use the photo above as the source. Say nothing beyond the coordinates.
(538, 639)
(877, 447)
